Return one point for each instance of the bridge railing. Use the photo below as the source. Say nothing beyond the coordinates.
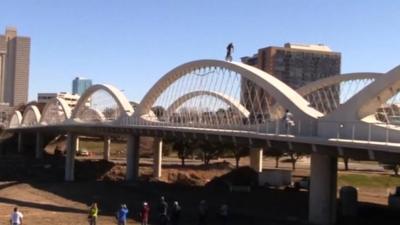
(275, 127)
(359, 131)
(352, 131)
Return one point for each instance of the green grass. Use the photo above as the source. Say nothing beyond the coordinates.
(370, 181)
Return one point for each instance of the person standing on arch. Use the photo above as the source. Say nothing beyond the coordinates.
(229, 51)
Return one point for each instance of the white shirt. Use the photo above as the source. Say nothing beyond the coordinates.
(16, 217)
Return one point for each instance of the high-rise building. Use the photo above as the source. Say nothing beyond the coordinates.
(14, 67)
(80, 84)
(295, 65)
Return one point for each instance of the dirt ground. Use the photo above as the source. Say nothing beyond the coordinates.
(38, 189)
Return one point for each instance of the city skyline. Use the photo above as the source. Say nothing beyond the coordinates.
(139, 43)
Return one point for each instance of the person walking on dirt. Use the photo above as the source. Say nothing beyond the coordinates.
(175, 213)
(163, 211)
(16, 217)
(121, 215)
(202, 212)
(144, 214)
(229, 51)
(223, 214)
(93, 211)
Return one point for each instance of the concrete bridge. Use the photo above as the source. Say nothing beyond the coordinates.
(349, 115)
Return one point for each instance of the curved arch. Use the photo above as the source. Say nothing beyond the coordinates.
(326, 82)
(332, 80)
(117, 95)
(368, 100)
(227, 99)
(64, 107)
(91, 115)
(31, 110)
(16, 119)
(282, 93)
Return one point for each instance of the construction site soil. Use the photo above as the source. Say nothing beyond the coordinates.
(38, 189)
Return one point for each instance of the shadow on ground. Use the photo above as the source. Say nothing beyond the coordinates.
(260, 206)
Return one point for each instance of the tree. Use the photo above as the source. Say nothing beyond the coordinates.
(159, 111)
(392, 166)
(210, 150)
(184, 148)
(239, 152)
(294, 157)
(346, 163)
(275, 153)
(110, 113)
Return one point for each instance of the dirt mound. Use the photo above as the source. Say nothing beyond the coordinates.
(241, 176)
(194, 175)
(116, 173)
(98, 170)
(220, 166)
(185, 178)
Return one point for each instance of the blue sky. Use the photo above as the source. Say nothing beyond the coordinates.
(131, 44)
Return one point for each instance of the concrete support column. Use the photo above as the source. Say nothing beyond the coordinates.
(20, 147)
(76, 143)
(39, 146)
(70, 157)
(107, 148)
(256, 159)
(132, 157)
(157, 157)
(323, 186)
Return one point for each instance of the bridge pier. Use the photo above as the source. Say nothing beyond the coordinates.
(323, 187)
(132, 157)
(106, 148)
(70, 157)
(39, 146)
(256, 159)
(157, 157)
(77, 144)
(20, 147)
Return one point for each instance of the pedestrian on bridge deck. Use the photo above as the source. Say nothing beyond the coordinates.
(288, 120)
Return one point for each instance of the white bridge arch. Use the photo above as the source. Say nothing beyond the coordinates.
(228, 100)
(366, 102)
(55, 111)
(356, 109)
(282, 93)
(15, 120)
(31, 116)
(124, 106)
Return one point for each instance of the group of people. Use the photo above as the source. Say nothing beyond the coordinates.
(166, 215)
(172, 216)
(203, 213)
(121, 215)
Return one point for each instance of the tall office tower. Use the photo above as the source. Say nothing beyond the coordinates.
(14, 67)
(295, 65)
(79, 85)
